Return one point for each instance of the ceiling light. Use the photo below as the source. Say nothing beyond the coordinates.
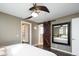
(34, 14)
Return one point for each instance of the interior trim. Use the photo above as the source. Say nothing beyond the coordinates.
(30, 31)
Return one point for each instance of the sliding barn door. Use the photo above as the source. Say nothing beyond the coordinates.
(46, 35)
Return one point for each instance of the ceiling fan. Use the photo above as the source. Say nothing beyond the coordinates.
(36, 10)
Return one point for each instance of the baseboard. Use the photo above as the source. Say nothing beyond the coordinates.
(36, 44)
(62, 50)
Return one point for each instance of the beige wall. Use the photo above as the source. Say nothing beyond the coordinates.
(35, 32)
(10, 32)
(62, 20)
(9, 29)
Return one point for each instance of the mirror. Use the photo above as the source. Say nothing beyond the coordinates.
(61, 33)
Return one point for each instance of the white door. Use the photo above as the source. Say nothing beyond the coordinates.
(25, 32)
(75, 36)
(40, 41)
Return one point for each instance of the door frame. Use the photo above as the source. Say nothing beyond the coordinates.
(30, 31)
(39, 35)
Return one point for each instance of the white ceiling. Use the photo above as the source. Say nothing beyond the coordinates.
(56, 10)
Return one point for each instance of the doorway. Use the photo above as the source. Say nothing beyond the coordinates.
(26, 32)
(40, 41)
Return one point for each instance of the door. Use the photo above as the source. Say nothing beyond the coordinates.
(40, 41)
(75, 36)
(25, 32)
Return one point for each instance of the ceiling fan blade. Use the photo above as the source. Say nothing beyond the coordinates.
(34, 4)
(43, 8)
(28, 17)
(32, 8)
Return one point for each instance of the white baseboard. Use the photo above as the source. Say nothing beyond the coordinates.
(62, 50)
(36, 44)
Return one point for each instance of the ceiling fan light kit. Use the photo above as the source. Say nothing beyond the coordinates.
(34, 14)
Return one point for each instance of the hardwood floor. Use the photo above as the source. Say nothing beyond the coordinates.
(58, 53)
